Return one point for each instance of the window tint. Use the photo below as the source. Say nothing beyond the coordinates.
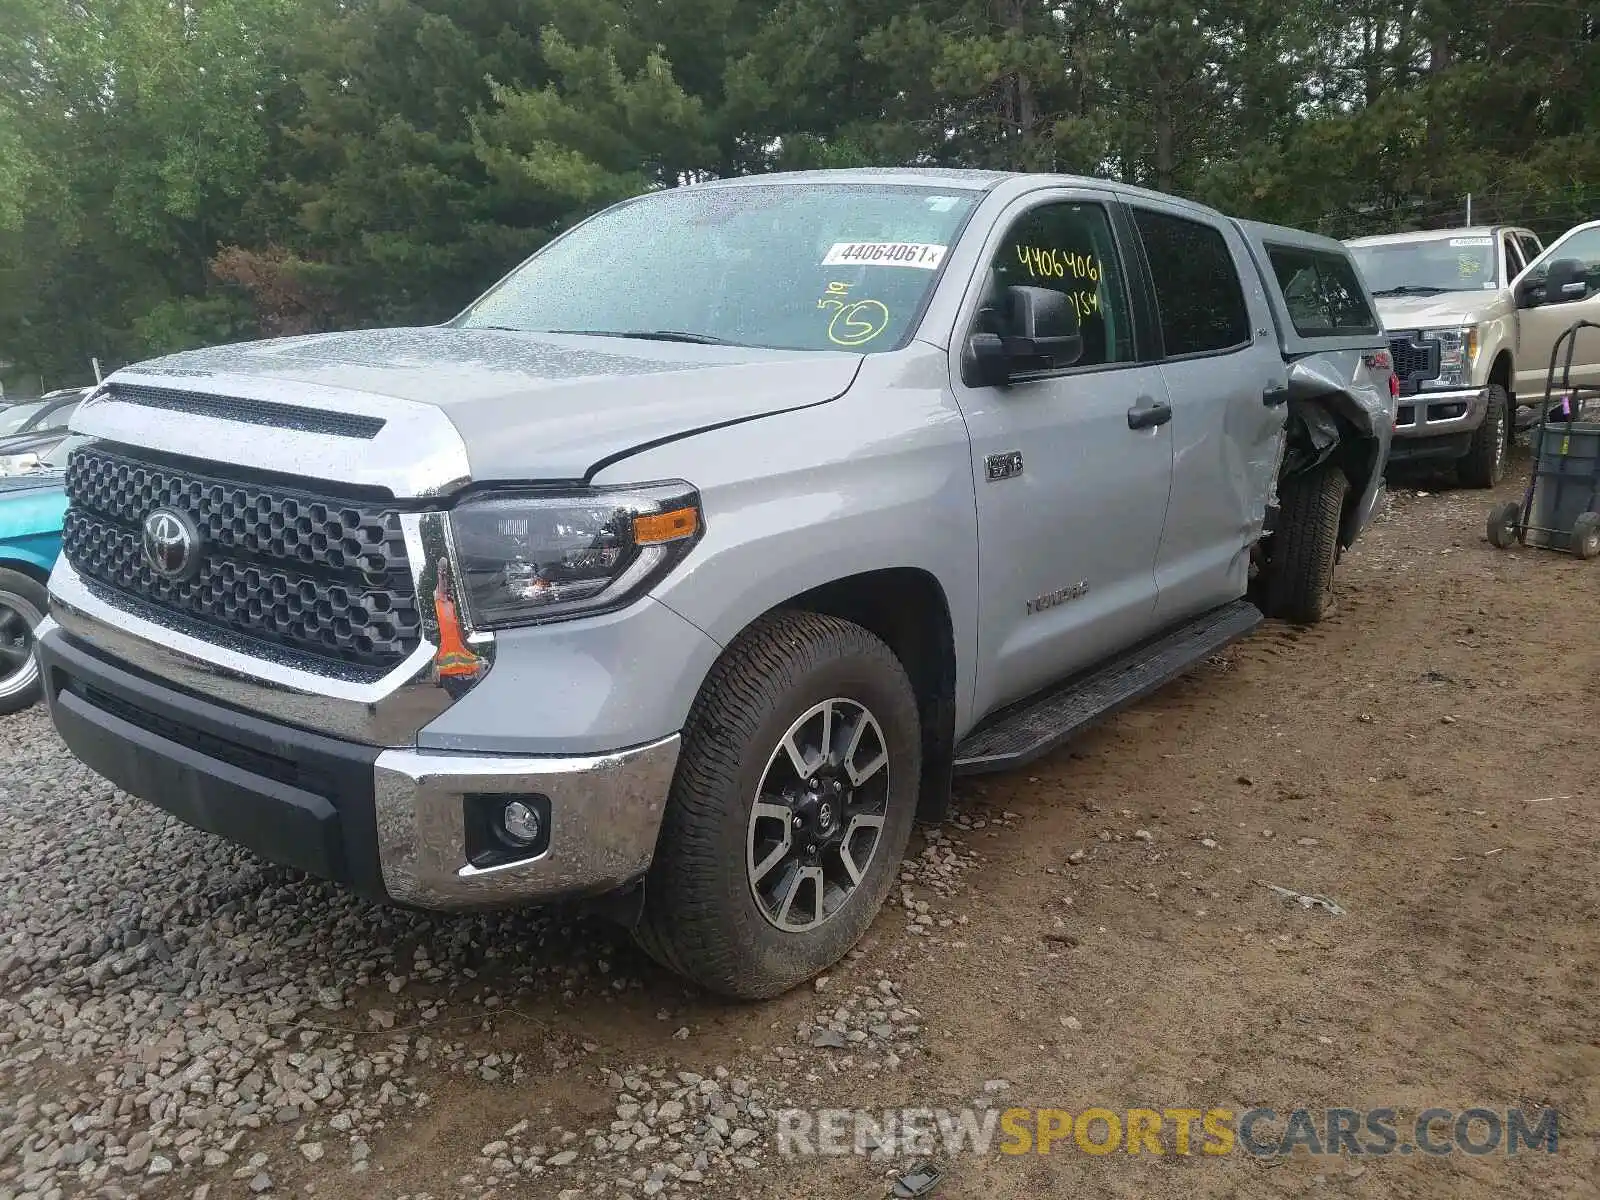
(1066, 248)
(1197, 286)
(1321, 291)
(1531, 249)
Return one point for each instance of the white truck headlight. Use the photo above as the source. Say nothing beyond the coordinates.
(1458, 352)
(527, 557)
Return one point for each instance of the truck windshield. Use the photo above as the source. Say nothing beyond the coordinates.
(788, 266)
(1424, 268)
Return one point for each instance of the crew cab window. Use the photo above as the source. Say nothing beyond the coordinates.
(1321, 291)
(1197, 285)
(1066, 248)
(1531, 247)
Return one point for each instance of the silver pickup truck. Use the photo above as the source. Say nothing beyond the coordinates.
(684, 569)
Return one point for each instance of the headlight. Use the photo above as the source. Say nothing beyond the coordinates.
(16, 464)
(529, 556)
(1458, 350)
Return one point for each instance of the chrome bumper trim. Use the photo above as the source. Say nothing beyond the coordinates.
(605, 814)
(388, 711)
(1476, 400)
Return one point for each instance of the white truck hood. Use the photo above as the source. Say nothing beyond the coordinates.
(527, 406)
(1443, 311)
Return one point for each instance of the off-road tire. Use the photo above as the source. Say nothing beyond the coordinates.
(1586, 535)
(700, 917)
(1484, 464)
(1504, 524)
(23, 598)
(1299, 585)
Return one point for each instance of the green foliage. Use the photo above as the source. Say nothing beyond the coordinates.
(179, 173)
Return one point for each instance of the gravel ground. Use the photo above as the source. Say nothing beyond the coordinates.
(178, 1019)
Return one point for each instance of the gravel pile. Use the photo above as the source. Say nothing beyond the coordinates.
(673, 1132)
(873, 1023)
(168, 1002)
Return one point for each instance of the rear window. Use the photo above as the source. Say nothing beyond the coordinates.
(1322, 293)
(1197, 287)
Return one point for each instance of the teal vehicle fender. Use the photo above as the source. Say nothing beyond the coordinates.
(31, 512)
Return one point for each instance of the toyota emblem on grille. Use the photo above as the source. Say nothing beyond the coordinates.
(171, 544)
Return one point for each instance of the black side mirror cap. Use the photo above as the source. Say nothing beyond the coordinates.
(985, 363)
(1566, 280)
(1044, 330)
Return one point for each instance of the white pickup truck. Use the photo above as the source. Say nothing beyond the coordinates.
(1472, 317)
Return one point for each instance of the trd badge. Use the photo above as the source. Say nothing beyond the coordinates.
(1003, 466)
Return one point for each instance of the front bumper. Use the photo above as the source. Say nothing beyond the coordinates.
(389, 823)
(1440, 414)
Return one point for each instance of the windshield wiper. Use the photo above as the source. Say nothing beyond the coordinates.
(652, 335)
(1410, 289)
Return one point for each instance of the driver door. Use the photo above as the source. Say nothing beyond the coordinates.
(1541, 326)
(1072, 466)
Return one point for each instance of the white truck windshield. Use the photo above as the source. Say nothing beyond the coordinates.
(792, 266)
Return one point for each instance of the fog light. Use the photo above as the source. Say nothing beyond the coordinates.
(521, 823)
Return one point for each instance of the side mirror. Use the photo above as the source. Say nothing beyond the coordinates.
(1567, 280)
(986, 363)
(1043, 330)
(1041, 333)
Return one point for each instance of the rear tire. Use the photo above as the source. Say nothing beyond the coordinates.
(23, 604)
(1306, 546)
(1504, 524)
(1484, 464)
(791, 686)
(1586, 535)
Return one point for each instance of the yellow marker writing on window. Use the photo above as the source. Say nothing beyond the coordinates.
(859, 323)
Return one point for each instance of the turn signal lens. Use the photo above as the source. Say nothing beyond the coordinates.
(655, 528)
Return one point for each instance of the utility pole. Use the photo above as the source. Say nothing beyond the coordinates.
(1469, 209)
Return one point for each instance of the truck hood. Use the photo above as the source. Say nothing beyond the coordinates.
(529, 406)
(1399, 313)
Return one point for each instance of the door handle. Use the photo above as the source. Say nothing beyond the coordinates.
(1148, 413)
(1275, 394)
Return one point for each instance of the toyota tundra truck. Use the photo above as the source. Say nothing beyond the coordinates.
(682, 571)
(1471, 324)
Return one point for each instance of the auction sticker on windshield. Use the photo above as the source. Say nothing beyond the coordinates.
(922, 255)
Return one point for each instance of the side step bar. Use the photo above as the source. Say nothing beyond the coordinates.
(1020, 733)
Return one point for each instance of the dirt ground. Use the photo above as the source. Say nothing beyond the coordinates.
(1426, 758)
(1100, 930)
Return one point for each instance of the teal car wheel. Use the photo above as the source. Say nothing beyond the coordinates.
(22, 607)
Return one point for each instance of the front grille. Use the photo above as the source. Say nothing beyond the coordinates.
(1414, 362)
(315, 575)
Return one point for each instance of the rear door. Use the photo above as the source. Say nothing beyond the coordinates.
(1071, 495)
(1228, 384)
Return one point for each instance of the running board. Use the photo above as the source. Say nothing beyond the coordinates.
(1022, 732)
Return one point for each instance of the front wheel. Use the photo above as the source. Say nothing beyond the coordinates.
(1305, 547)
(792, 806)
(1484, 464)
(23, 603)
